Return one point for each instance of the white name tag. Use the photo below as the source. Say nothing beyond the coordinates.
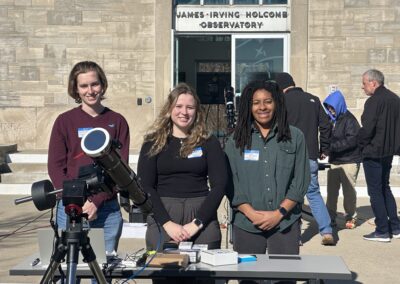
(83, 131)
(251, 155)
(197, 153)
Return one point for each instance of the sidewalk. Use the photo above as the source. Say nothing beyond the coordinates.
(370, 262)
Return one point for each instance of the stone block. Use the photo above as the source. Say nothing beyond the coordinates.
(35, 17)
(24, 53)
(64, 5)
(81, 53)
(384, 40)
(353, 30)
(356, 43)
(30, 73)
(22, 3)
(377, 55)
(119, 28)
(148, 76)
(394, 57)
(55, 51)
(31, 86)
(103, 40)
(144, 89)
(372, 27)
(356, 3)
(43, 3)
(16, 125)
(32, 101)
(7, 27)
(91, 16)
(326, 5)
(69, 18)
(3, 72)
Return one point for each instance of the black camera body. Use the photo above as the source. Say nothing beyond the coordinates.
(91, 180)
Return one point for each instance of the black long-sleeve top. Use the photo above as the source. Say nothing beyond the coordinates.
(168, 175)
(305, 111)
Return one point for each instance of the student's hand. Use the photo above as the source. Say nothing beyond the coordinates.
(90, 209)
(191, 228)
(267, 220)
(176, 231)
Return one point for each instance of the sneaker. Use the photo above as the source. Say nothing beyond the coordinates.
(396, 235)
(351, 224)
(328, 240)
(374, 236)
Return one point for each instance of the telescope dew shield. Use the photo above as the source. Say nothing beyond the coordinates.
(98, 145)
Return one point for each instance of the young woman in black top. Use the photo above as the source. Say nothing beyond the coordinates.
(178, 160)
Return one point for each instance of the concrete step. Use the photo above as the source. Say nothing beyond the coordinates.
(23, 177)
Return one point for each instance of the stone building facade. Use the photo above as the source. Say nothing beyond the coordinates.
(331, 44)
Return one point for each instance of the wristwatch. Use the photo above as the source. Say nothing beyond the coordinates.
(198, 223)
(283, 211)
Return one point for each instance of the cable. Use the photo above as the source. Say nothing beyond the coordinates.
(2, 237)
(148, 262)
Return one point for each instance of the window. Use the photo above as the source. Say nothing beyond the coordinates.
(216, 2)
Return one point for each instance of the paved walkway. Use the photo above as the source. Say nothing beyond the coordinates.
(370, 262)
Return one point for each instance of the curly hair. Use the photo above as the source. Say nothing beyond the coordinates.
(85, 67)
(243, 130)
(163, 125)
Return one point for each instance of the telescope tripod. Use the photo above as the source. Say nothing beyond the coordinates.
(72, 240)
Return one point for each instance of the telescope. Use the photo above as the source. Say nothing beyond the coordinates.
(98, 145)
(109, 170)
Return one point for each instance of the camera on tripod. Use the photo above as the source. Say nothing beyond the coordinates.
(108, 172)
(230, 107)
(91, 180)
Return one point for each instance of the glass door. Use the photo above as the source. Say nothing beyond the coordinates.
(258, 57)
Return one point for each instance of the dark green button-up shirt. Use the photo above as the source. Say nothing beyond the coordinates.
(268, 173)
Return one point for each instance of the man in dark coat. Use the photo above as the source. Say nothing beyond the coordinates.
(379, 140)
(305, 112)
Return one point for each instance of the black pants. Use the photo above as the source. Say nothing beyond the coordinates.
(273, 242)
(183, 211)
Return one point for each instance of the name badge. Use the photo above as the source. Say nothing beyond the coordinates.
(251, 155)
(82, 131)
(197, 153)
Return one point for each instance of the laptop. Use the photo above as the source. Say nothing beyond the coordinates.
(46, 244)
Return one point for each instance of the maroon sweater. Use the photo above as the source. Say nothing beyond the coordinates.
(65, 153)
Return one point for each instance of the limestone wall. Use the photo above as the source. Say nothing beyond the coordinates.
(40, 41)
(347, 37)
(332, 43)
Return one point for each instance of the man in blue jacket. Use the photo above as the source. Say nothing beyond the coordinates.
(379, 140)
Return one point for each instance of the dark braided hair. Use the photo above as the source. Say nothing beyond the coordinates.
(242, 134)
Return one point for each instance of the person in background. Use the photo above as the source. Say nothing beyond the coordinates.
(87, 86)
(177, 161)
(269, 166)
(379, 140)
(306, 112)
(344, 157)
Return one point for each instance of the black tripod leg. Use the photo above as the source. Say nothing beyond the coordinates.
(90, 257)
(72, 262)
(55, 261)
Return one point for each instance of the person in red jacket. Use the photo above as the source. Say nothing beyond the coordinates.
(87, 86)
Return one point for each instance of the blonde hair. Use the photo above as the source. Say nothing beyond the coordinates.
(162, 127)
